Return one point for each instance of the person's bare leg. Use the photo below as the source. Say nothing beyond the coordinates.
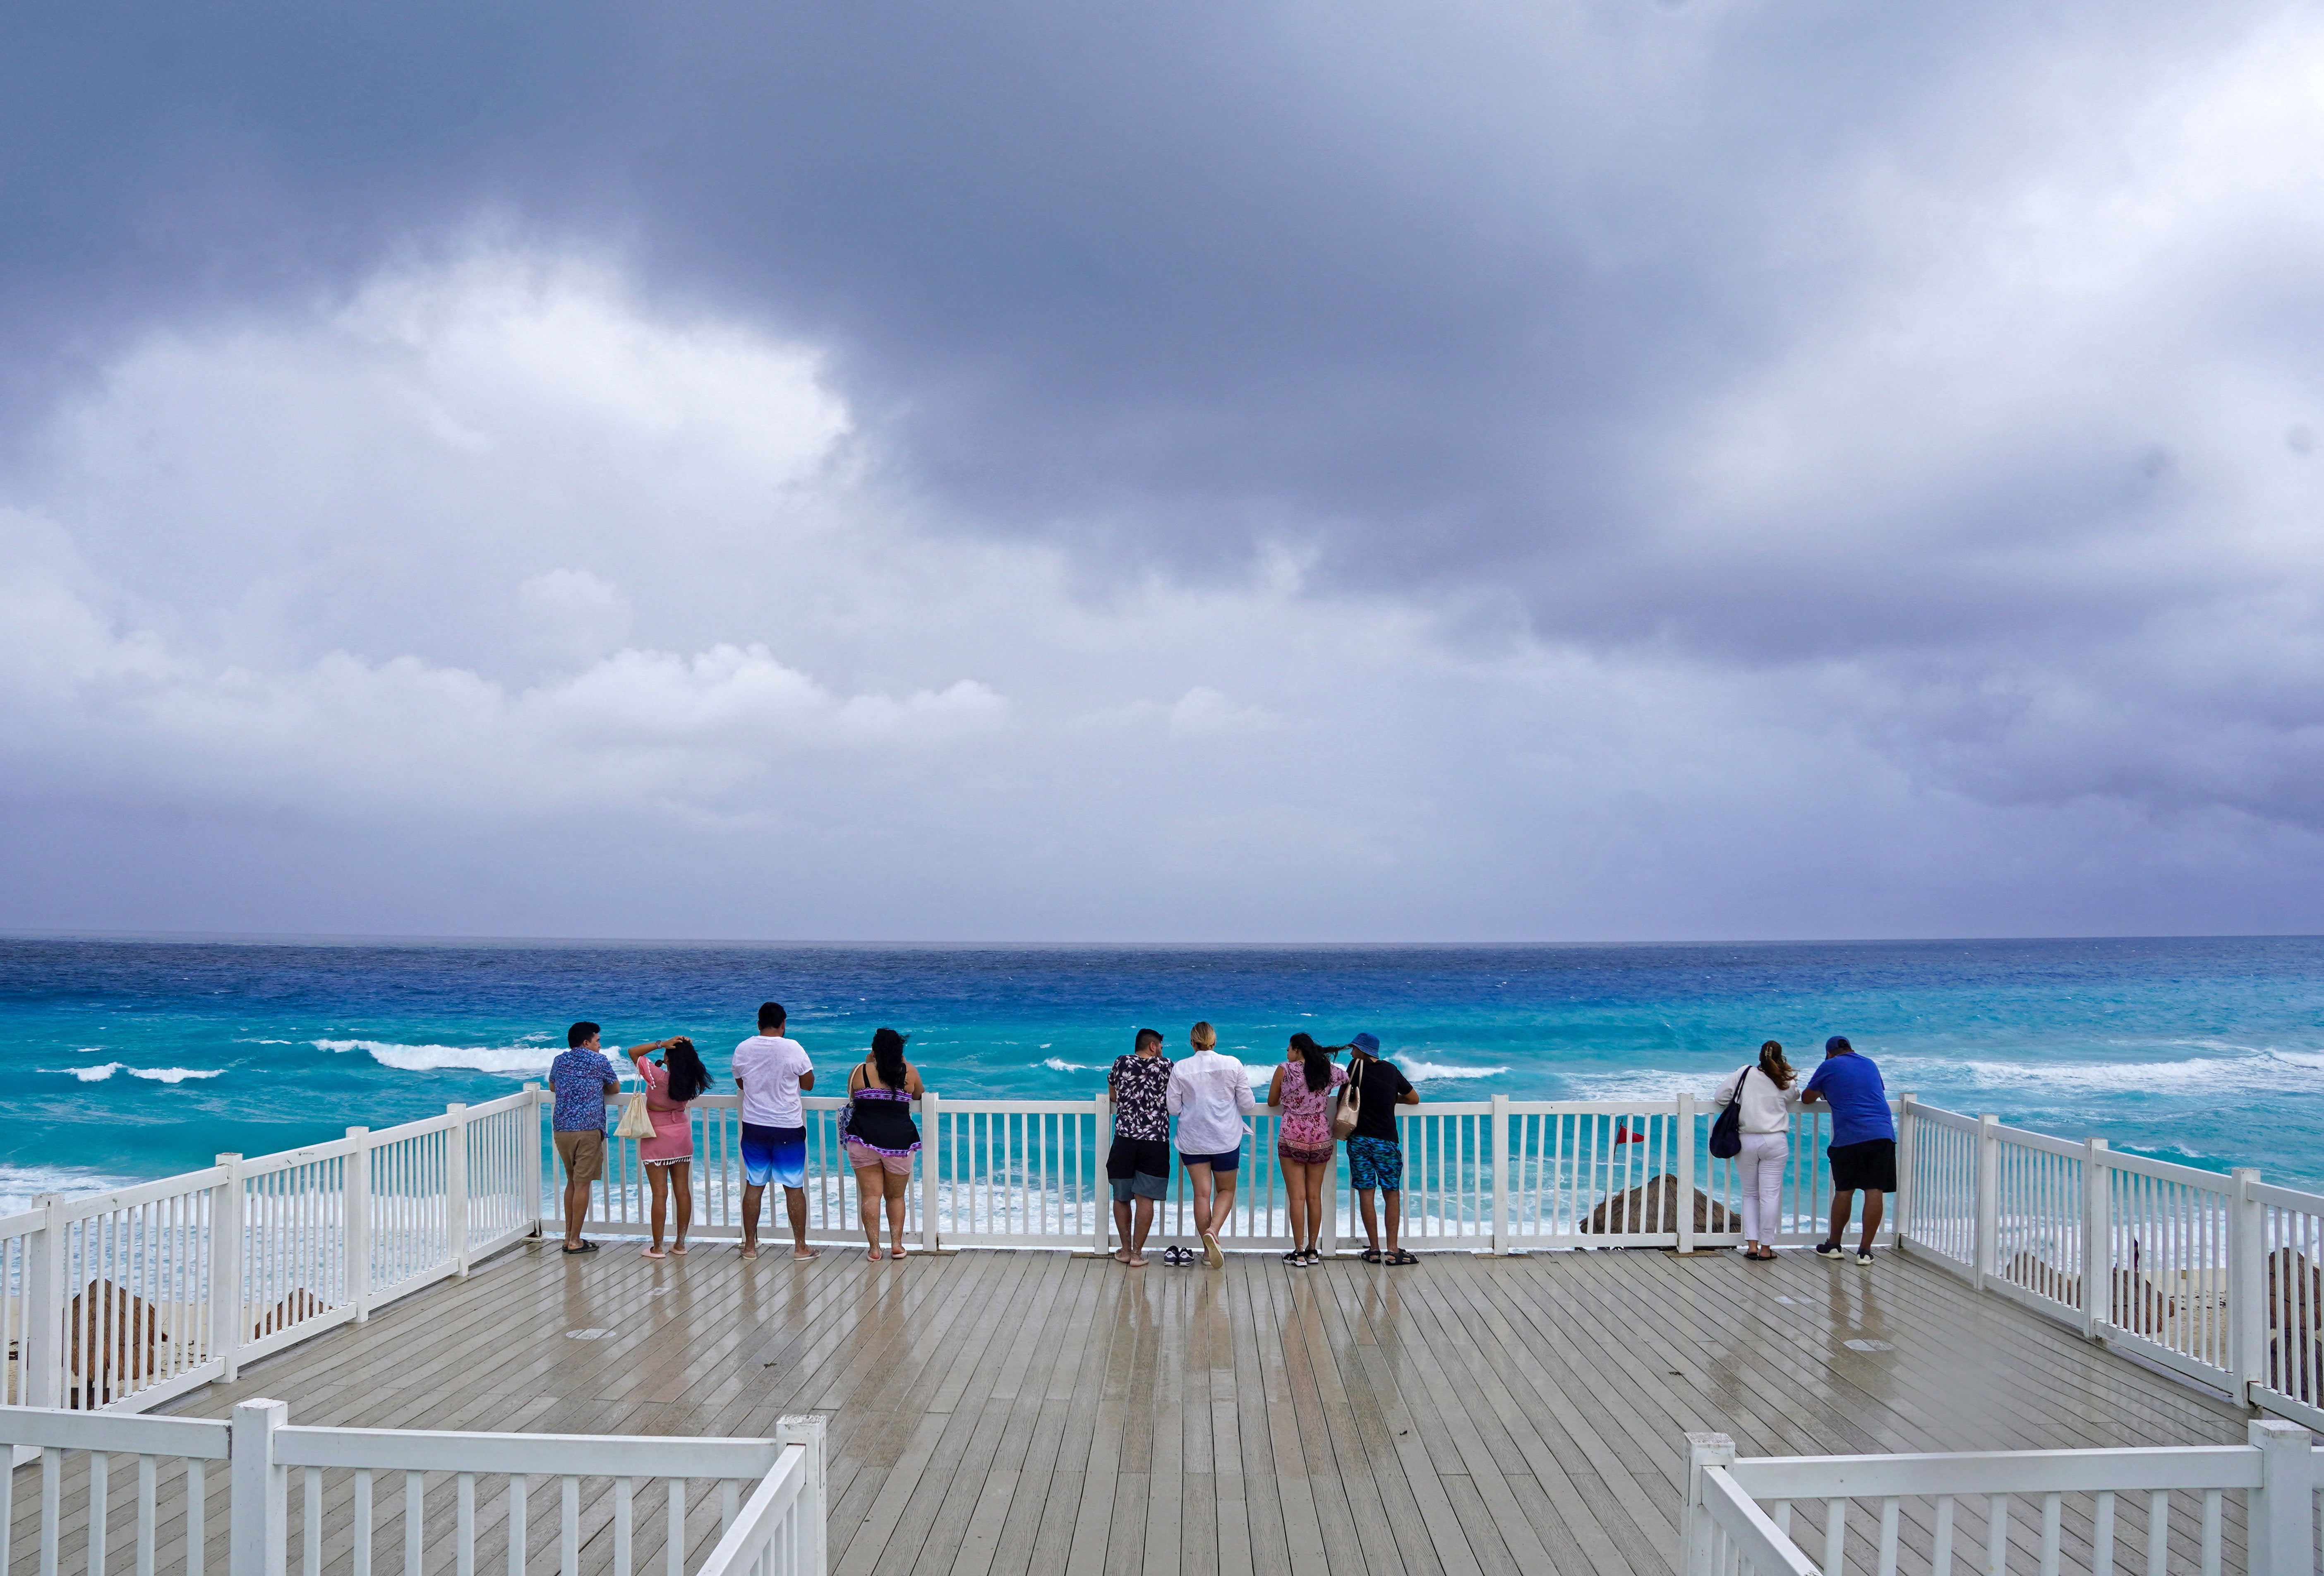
(1395, 1216)
(1223, 1201)
(896, 1186)
(1876, 1205)
(869, 1190)
(658, 1180)
(681, 1184)
(1365, 1207)
(1206, 1186)
(1136, 1259)
(1842, 1205)
(795, 1204)
(577, 1210)
(1313, 1181)
(752, 1193)
(1295, 1201)
(1122, 1229)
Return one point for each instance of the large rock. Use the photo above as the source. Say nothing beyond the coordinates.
(1652, 1206)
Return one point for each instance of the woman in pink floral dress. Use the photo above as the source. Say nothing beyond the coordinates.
(1302, 1093)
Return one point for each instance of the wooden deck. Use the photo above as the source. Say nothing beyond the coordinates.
(996, 1413)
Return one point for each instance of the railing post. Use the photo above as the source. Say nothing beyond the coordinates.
(1988, 1198)
(1103, 1106)
(1900, 1208)
(1685, 1201)
(931, 1167)
(455, 1189)
(44, 1309)
(2098, 1238)
(258, 1527)
(2277, 1516)
(2247, 1286)
(355, 1183)
(537, 1156)
(228, 1314)
(1702, 1451)
(806, 1429)
(1500, 1140)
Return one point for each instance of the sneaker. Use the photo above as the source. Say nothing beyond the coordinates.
(1831, 1250)
(1863, 1259)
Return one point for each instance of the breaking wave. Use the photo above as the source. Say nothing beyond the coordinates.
(514, 1059)
(105, 1069)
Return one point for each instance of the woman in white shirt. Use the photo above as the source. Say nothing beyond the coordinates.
(1766, 1124)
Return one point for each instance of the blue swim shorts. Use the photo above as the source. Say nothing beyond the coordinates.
(776, 1155)
(1229, 1161)
(1376, 1162)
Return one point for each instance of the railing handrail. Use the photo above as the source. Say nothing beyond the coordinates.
(589, 1455)
(756, 1522)
(2142, 1467)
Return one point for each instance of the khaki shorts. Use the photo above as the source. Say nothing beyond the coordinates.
(582, 1152)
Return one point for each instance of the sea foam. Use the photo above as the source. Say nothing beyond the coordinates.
(105, 1069)
(514, 1059)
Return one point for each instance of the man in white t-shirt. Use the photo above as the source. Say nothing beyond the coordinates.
(771, 1070)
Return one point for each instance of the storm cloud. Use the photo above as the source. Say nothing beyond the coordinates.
(1276, 471)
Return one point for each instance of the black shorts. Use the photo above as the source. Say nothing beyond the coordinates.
(1132, 1157)
(1867, 1167)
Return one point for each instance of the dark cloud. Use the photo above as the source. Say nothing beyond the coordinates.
(1944, 380)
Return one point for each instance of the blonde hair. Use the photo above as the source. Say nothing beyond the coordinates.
(1203, 1036)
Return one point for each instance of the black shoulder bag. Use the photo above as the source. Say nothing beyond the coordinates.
(1727, 1132)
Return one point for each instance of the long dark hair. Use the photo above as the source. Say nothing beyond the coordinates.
(1314, 1060)
(888, 1057)
(687, 1076)
(1771, 1062)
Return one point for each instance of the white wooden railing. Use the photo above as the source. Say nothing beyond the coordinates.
(122, 1300)
(1931, 1511)
(345, 1477)
(1496, 1175)
(126, 1299)
(2218, 1277)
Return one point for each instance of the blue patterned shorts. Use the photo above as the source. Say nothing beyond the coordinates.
(1376, 1162)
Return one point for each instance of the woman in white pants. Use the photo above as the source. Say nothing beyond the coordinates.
(1766, 1126)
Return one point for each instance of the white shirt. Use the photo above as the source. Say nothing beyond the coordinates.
(1210, 1094)
(1763, 1110)
(768, 1068)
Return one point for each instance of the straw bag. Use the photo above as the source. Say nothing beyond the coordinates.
(635, 1122)
(1344, 1115)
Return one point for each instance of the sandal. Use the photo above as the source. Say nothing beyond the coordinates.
(1370, 1255)
(1401, 1257)
(1295, 1259)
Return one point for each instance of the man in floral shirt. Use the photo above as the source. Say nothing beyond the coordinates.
(1138, 1165)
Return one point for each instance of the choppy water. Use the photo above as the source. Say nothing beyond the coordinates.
(137, 1059)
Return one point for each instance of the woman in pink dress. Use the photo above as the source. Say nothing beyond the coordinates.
(676, 1082)
(1302, 1092)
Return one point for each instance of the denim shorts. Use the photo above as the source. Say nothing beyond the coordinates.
(1229, 1160)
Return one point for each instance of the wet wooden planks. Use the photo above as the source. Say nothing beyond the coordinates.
(998, 1414)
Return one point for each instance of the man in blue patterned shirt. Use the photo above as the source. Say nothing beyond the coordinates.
(582, 1078)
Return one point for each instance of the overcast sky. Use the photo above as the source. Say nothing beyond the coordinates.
(1238, 471)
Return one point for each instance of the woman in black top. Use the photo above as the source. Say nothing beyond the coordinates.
(882, 1137)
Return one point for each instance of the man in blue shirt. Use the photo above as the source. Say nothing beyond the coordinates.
(581, 1080)
(1863, 1149)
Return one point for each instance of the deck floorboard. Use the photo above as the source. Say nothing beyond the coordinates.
(1025, 1414)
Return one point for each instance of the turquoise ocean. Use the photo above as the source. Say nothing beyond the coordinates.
(127, 1059)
